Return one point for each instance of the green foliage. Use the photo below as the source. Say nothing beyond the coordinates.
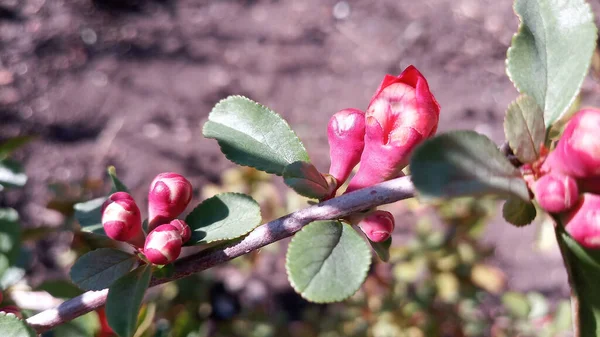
(89, 215)
(252, 135)
(83, 326)
(10, 238)
(524, 128)
(382, 249)
(518, 212)
(584, 265)
(464, 163)
(100, 268)
(11, 326)
(125, 298)
(117, 185)
(225, 216)
(304, 178)
(12, 144)
(327, 261)
(12, 174)
(60, 288)
(551, 53)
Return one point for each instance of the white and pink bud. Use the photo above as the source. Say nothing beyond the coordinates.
(122, 220)
(169, 195)
(346, 136)
(583, 221)
(183, 228)
(163, 245)
(378, 225)
(556, 192)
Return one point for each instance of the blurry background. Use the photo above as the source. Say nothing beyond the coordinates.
(130, 82)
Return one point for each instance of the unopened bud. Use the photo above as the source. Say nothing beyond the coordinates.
(183, 228)
(169, 195)
(583, 221)
(163, 245)
(346, 136)
(402, 114)
(578, 151)
(556, 193)
(122, 220)
(378, 226)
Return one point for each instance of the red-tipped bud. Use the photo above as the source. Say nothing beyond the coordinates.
(169, 195)
(378, 226)
(163, 245)
(11, 309)
(578, 151)
(556, 193)
(402, 113)
(183, 228)
(346, 135)
(583, 221)
(122, 220)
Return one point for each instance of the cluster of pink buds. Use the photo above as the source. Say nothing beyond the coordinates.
(401, 114)
(570, 179)
(169, 195)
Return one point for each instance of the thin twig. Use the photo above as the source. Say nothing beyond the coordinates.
(384, 193)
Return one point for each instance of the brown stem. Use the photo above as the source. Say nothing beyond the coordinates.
(384, 193)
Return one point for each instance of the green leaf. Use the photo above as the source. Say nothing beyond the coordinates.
(524, 128)
(117, 185)
(12, 174)
(552, 51)
(10, 234)
(382, 249)
(462, 163)
(327, 261)
(584, 265)
(60, 288)
(124, 300)
(10, 145)
(11, 326)
(225, 216)
(518, 212)
(304, 178)
(100, 268)
(89, 215)
(250, 134)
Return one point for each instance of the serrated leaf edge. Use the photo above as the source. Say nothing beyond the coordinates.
(364, 272)
(13, 316)
(231, 238)
(228, 155)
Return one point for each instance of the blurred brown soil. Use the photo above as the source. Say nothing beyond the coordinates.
(130, 82)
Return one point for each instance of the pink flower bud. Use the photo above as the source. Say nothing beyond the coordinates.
(378, 226)
(578, 151)
(402, 114)
(122, 220)
(583, 221)
(346, 135)
(183, 228)
(556, 193)
(163, 245)
(169, 195)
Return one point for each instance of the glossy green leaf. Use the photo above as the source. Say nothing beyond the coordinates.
(462, 163)
(584, 265)
(327, 261)
(11, 326)
(524, 128)
(518, 212)
(117, 185)
(552, 51)
(250, 134)
(100, 268)
(89, 215)
(304, 178)
(60, 288)
(10, 234)
(225, 216)
(12, 174)
(382, 249)
(125, 298)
